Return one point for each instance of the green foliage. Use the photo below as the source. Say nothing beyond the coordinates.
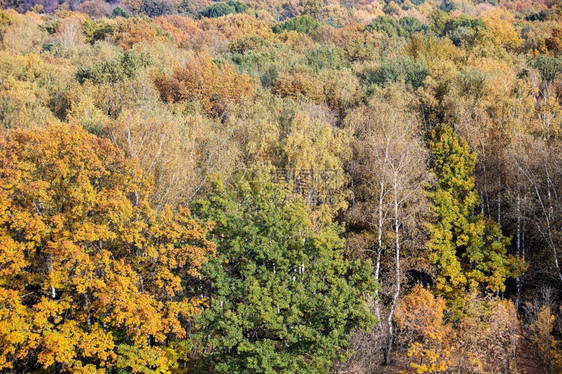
(50, 26)
(411, 25)
(282, 298)
(549, 67)
(461, 30)
(412, 72)
(464, 30)
(542, 15)
(223, 8)
(119, 12)
(94, 31)
(155, 8)
(386, 25)
(327, 57)
(244, 45)
(302, 24)
(447, 6)
(124, 67)
(468, 249)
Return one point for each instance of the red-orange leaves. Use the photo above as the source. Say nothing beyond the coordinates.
(201, 80)
(90, 275)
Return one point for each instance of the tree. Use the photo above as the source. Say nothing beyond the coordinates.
(301, 24)
(546, 346)
(282, 298)
(486, 337)
(420, 315)
(388, 170)
(223, 8)
(90, 278)
(201, 80)
(468, 248)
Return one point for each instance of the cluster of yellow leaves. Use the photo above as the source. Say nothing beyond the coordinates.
(422, 314)
(500, 30)
(547, 346)
(87, 269)
(483, 340)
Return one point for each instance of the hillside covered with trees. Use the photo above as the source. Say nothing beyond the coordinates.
(288, 186)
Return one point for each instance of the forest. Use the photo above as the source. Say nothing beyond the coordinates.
(281, 186)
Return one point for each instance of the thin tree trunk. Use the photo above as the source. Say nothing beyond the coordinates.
(390, 338)
(519, 278)
(379, 252)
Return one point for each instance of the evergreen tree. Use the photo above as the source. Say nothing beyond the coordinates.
(282, 298)
(468, 248)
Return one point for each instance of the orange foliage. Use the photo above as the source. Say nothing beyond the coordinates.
(421, 314)
(554, 42)
(201, 80)
(295, 84)
(234, 26)
(486, 336)
(180, 28)
(88, 273)
(352, 38)
(133, 31)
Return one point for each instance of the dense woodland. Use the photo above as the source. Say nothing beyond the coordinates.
(281, 186)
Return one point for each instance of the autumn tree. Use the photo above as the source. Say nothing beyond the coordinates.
(388, 170)
(420, 318)
(282, 298)
(486, 338)
(177, 150)
(468, 249)
(543, 339)
(90, 277)
(214, 87)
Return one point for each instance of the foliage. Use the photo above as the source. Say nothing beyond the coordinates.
(545, 343)
(155, 8)
(468, 249)
(421, 314)
(124, 67)
(283, 298)
(94, 31)
(413, 73)
(549, 67)
(488, 336)
(201, 80)
(91, 277)
(301, 24)
(386, 25)
(373, 112)
(220, 9)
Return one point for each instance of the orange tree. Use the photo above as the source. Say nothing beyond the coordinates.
(201, 80)
(91, 279)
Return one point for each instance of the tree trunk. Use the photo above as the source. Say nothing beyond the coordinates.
(390, 337)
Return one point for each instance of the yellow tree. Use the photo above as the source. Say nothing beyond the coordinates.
(90, 277)
(420, 315)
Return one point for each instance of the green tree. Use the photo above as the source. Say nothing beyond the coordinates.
(468, 248)
(223, 9)
(282, 298)
(302, 24)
